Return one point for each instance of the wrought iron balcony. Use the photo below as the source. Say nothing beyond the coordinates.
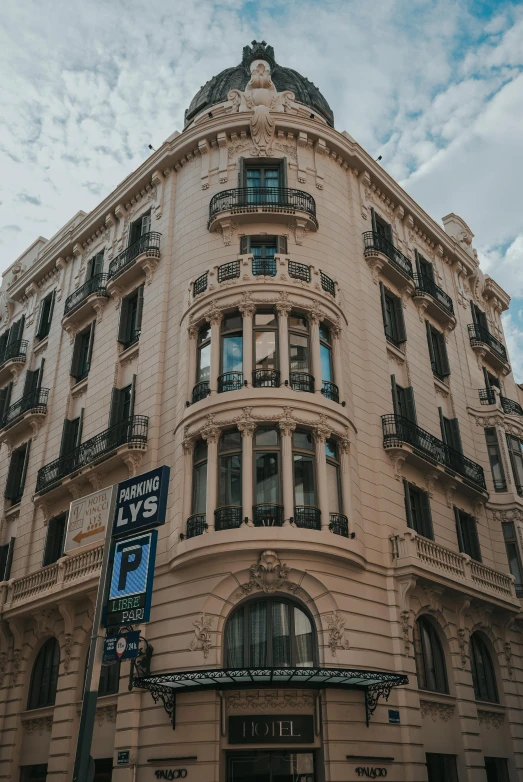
(307, 517)
(148, 243)
(266, 378)
(480, 336)
(196, 525)
(327, 284)
(374, 243)
(229, 271)
(34, 402)
(200, 284)
(228, 517)
(510, 407)
(267, 514)
(16, 351)
(330, 391)
(131, 432)
(339, 524)
(299, 271)
(487, 396)
(398, 430)
(264, 267)
(96, 285)
(230, 381)
(425, 285)
(200, 391)
(301, 381)
(262, 199)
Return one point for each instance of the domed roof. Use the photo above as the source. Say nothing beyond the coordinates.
(217, 88)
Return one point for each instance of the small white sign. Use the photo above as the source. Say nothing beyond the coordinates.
(88, 520)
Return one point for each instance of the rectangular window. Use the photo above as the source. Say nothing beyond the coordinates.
(393, 321)
(515, 448)
(265, 339)
(122, 403)
(203, 369)
(6, 559)
(437, 352)
(403, 401)
(95, 266)
(17, 471)
(441, 768)
(82, 353)
(131, 318)
(417, 507)
(54, 542)
(139, 228)
(45, 316)
(5, 401)
(71, 435)
(497, 770)
(514, 559)
(424, 268)
(37, 773)
(494, 455)
(263, 246)
(479, 318)
(467, 533)
(16, 331)
(381, 227)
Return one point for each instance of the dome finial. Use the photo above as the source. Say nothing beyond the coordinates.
(259, 50)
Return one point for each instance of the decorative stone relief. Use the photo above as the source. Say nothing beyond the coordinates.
(270, 700)
(132, 462)
(491, 719)
(435, 710)
(106, 714)
(405, 585)
(462, 632)
(336, 628)
(3, 666)
(202, 635)
(433, 596)
(39, 724)
(507, 651)
(269, 575)
(397, 457)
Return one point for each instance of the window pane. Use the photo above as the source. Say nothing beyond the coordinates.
(333, 487)
(231, 441)
(331, 449)
(204, 363)
(258, 634)
(304, 493)
(232, 353)
(325, 356)
(513, 561)
(265, 437)
(298, 323)
(265, 349)
(324, 332)
(254, 177)
(232, 323)
(200, 450)
(234, 640)
(265, 319)
(199, 488)
(299, 353)
(281, 638)
(230, 480)
(303, 441)
(304, 645)
(204, 334)
(267, 479)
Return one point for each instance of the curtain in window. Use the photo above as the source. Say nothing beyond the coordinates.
(230, 480)
(200, 488)
(234, 641)
(258, 635)
(281, 637)
(44, 680)
(304, 493)
(483, 676)
(267, 480)
(303, 634)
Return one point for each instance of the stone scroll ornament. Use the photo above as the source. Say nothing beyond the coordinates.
(261, 97)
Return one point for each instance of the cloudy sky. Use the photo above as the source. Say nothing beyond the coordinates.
(434, 86)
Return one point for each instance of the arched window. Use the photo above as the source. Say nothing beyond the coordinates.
(44, 678)
(482, 667)
(271, 633)
(430, 660)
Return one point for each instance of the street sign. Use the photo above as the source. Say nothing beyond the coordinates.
(121, 647)
(131, 582)
(123, 758)
(88, 520)
(141, 502)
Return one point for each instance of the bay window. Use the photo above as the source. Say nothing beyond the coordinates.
(300, 353)
(267, 509)
(231, 377)
(266, 373)
(306, 514)
(199, 478)
(229, 511)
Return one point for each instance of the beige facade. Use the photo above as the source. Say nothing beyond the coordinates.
(304, 503)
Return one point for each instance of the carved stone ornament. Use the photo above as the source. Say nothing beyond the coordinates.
(507, 651)
(106, 714)
(39, 724)
(336, 628)
(270, 700)
(435, 710)
(269, 575)
(491, 719)
(202, 635)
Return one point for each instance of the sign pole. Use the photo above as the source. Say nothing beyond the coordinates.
(94, 665)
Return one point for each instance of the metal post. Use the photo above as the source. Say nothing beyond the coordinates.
(94, 665)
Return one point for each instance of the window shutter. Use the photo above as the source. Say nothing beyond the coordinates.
(12, 476)
(400, 321)
(459, 531)
(139, 309)
(75, 362)
(49, 547)
(8, 395)
(51, 310)
(124, 329)
(241, 173)
(89, 272)
(80, 420)
(3, 405)
(31, 381)
(486, 378)
(445, 366)
(395, 398)
(244, 245)
(68, 436)
(282, 245)
(386, 324)
(98, 264)
(90, 346)
(474, 315)
(431, 346)
(133, 396)
(411, 407)
(24, 467)
(442, 426)
(40, 324)
(408, 508)
(456, 435)
(145, 225)
(373, 220)
(428, 530)
(474, 539)
(115, 405)
(418, 266)
(16, 331)
(40, 378)
(4, 340)
(284, 172)
(9, 559)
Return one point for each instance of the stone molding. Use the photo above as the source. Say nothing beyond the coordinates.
(270, 700)
(491, 719)
(437, 710)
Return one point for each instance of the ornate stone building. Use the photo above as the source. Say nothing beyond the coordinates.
(263, 309)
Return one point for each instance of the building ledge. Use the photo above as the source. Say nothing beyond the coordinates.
(429, 298)
(135, 264)
(26, 414)
(12, 361)
(384, 259)
(260, 204)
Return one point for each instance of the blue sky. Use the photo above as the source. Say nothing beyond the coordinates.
(435, 87)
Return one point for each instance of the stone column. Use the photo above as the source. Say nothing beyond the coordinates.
(247, 429)
(286, 430)
(188, 453)
(346, 489)
(211, 435)
(336, 358)
(320, 435)
(247, 311)
(192, 347)
(314, 326)
(215, 319)
(283, 340)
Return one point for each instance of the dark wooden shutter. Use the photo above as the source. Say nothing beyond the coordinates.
(418, 265)
(40, 378)
(4, 340)
(428, 530)
(431, 346)
(9, 559)
(400, 321)
(241, 173)
(115, 412)
(458, 529)
(90, 346)
(445, 366)
(373, 219)
(51, 310)
(77, 350)
(456, 434)
(442, 426)
(8, 395)
(408, 507)
(31, 381)
(3, 404)
(89, 271)
(79, 429)
(124, 329)
(11, 486)
(69, 432)
(384, 310)
(16, 331)
(411, 407)
(474, 539)
(24, 468)
(244, 245)
(486, 378)
(139, 308)
(281, 245)
(395, 398)
(133, 396)
(283, 169)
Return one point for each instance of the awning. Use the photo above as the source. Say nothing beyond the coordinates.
(375, 684)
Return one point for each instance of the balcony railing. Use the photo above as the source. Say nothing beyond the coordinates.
(426, 285)
(229, 271)
(267, 514)
(339, 524)
(266, 378)
(327, 284)
(200, 391)
(510, 407)
(265, 199)
(131, 431)
(299, 271)
(35, 401)
(398, 430)
(374, 242)
(487, 396)
(148, 243)
(200, 284)
(16, 351)
(230, 381)
(228, 517)
(301, 381)
(196, 525)
(264, 267)
(96, 284)
(307, 517)
(330, 391)
(481, 336)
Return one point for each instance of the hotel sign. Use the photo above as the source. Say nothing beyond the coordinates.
(88, 520)
(270, 729)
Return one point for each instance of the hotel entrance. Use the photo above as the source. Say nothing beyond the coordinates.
(273, 766)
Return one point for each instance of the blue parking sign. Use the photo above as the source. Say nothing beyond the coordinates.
(131, 583)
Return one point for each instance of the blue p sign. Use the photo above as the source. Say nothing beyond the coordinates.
(131, 567)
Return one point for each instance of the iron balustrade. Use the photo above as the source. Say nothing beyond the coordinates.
(230, 381)
(131, 431)
(330, 391)
(307, 517)
(148, 243)
(301, 381)
(35, 401)
(228, 517)
(200, 391)
(374, 242)
(200, 284)
(266, 378)
(327, 284)
(264, 267)
(398, 430)
(299, 271)
(16, 351)
(96, 284)
(267, 514)
(339, 524)
(510, 407)
(265, 199)
(196, 525)
(478, 334)
(487, 396)
(229, 271)
(426, 285)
